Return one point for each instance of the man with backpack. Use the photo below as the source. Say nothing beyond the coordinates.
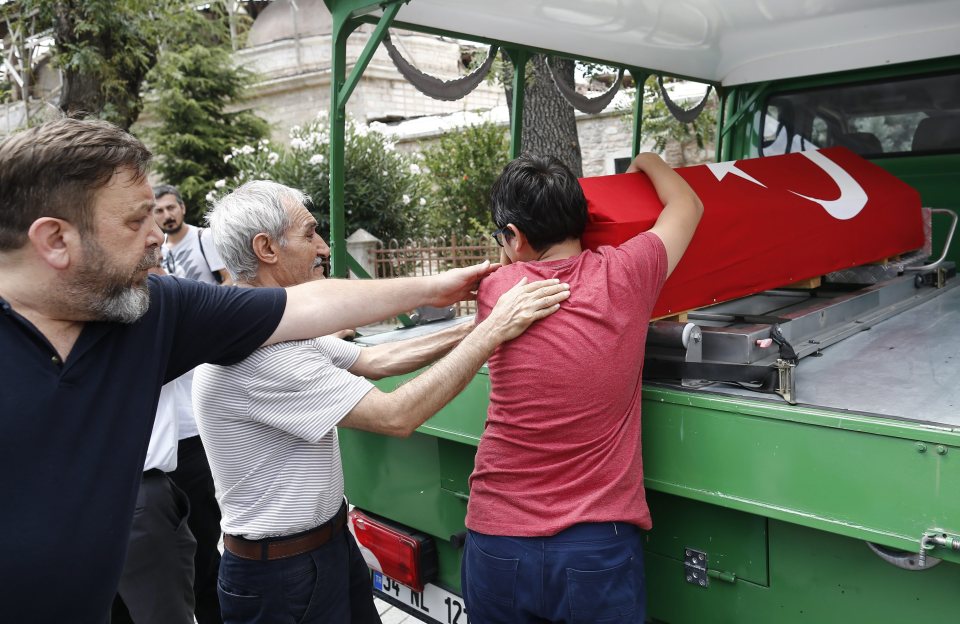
(188, 251)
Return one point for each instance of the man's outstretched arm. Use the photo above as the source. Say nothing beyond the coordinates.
(322, 307)
(400, 412)
(682, 208)
(405, 356)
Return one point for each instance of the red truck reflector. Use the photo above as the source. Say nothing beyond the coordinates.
(406, 556)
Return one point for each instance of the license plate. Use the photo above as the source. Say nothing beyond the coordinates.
(434, 603)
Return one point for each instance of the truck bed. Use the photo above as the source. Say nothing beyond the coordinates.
(905, 367)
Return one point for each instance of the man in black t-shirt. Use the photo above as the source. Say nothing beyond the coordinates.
(87, 340)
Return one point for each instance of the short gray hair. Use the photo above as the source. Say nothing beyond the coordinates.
(255, 207)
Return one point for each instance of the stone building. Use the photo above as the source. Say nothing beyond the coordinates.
(289, 47)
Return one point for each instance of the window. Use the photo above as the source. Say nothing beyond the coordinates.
(898, 116)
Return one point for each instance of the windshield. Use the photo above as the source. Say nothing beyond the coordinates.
(894, 117)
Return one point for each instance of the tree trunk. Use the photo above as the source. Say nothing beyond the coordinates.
(81, 94)
(107, 88)
(549, 124)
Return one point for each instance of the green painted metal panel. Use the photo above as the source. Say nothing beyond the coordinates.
(854, 474)
(456, 465)
(857, 476)
(400, 479)
(809, 466)
(938, 180)
(736, 542)
(815, 577)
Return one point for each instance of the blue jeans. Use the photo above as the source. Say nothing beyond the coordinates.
(328, 585)
(587, 573)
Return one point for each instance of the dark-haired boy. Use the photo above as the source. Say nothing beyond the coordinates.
(556, 497)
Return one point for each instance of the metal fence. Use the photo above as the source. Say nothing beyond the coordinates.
(431, 256)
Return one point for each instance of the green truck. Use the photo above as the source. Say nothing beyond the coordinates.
(836, 498)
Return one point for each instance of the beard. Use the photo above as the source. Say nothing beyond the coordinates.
(171, 227)
(106, 292)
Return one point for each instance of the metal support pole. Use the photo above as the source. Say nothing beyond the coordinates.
(338, 118)
(519, 60)
(340, 91)
(745, 108)
(724, 97)
(363, 60)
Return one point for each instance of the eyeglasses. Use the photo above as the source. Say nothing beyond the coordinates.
(501, 234)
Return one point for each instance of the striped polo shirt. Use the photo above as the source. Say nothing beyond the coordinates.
(269, 426)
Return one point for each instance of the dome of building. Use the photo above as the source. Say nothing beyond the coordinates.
(288, 19)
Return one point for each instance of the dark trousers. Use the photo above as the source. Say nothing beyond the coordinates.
(193, 477)
(157, 580)
(587, 573)
(328, 585)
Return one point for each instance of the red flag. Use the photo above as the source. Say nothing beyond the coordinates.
(767, 222)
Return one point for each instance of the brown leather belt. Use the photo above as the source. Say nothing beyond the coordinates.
(271, 548)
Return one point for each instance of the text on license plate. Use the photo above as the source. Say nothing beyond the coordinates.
(433, 602)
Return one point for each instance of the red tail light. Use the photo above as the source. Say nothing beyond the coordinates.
(405, 556)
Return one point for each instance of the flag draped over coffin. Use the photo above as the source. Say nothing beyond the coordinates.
(767, 222)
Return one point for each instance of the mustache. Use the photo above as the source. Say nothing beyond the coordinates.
(150, 260)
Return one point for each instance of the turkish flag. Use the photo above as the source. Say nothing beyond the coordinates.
(767, 222)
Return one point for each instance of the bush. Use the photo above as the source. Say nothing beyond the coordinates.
(462, 167)
(193, 88)
(384, 192)
(660, 125)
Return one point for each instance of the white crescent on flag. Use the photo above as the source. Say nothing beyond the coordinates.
(852, 196)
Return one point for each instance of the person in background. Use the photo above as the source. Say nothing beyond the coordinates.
(189, 252)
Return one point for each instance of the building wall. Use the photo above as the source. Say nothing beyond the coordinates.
(295, 80)
(603, 138)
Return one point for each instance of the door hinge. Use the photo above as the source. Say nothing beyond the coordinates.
(695, 567)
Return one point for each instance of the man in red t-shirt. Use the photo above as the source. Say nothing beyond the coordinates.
(556, 496)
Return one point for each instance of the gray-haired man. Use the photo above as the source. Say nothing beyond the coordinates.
(269, 423)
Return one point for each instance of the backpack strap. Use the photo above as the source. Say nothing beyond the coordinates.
(216, 274)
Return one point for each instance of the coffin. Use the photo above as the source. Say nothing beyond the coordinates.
(767, 222)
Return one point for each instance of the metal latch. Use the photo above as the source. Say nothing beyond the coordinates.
(786, 380)
(785, 365)
(932, 539)
(936, 277)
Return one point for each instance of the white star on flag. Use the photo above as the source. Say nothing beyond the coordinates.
(721, 169)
